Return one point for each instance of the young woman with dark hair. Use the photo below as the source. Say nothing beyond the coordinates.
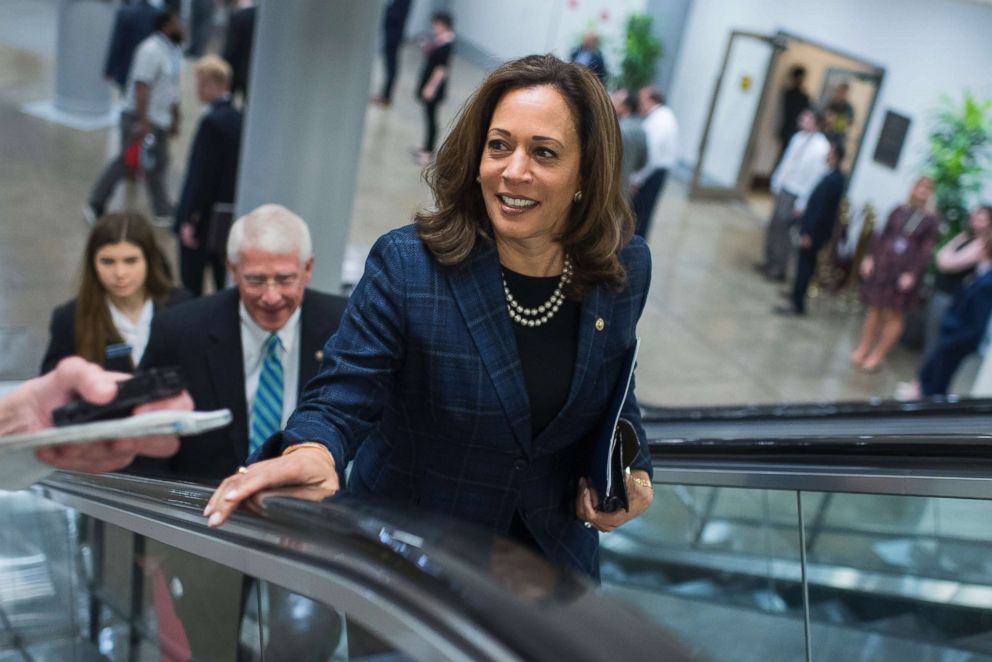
(125, 279)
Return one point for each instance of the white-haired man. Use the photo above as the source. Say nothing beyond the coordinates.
(250, 349)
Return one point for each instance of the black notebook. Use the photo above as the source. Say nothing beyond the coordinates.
(615, 445)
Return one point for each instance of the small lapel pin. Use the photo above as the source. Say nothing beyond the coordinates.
(319, 355)
(600, 324)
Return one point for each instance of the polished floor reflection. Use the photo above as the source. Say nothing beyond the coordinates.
(708, 334)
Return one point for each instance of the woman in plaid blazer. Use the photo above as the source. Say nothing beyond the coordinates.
(479, 352)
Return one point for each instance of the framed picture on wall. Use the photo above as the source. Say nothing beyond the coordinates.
(891, 139)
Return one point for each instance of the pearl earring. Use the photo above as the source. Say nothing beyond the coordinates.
(577, 197)
(478, 179)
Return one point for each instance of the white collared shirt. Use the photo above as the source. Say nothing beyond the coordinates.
(802, 167)
(158, 63)
(253, 339)
(134, 333)
(661, 134)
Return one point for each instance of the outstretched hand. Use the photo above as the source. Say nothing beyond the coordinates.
(32, 404)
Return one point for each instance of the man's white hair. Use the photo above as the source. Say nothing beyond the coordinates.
(270, 228)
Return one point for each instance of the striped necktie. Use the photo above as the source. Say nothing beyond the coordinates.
(266, 410)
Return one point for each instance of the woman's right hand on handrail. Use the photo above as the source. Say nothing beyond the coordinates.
(306, 467)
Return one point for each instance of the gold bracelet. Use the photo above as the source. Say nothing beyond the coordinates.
(309, 444)
(637, 480)
(642, 482)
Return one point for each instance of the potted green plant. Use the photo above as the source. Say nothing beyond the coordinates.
(960, 140)
(641, 53)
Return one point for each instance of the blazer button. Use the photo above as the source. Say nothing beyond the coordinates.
(520, 465)
(600, 324)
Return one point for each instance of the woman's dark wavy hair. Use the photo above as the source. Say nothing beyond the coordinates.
(94, 328)
(601, 223)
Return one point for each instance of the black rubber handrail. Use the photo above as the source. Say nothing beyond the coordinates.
(968, 453)
(532, 608)
(872, 408)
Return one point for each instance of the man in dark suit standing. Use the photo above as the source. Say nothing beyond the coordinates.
(393, 23)
(237, 45)
(818, 223)
(794, 102)
(250, 349)
(132, 25)
(211, 177)
(589, 56)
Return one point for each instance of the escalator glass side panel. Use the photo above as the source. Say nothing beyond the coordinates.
(39, 590)
(905, 577)
(732, 590)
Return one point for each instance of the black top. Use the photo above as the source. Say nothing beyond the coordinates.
(437, 57)
(547, 352)
(794, 102)
(949, 282)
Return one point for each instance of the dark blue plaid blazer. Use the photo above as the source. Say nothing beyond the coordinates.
(422, 385)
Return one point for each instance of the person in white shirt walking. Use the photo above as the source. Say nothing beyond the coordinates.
(662, 133)
(802, 166)
(150, 113)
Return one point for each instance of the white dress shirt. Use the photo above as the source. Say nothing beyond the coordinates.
(135, 334)
(661, 132)
(253, 339)
(157, 63)
(802, 167)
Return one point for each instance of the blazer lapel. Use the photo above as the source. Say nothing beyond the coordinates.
(478, 292)
(312, 339)
(597, 307)
(225, 362)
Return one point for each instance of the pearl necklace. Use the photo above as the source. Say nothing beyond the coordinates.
(543, 313)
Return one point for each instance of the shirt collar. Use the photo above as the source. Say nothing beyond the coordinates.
(122, 321)
(287, 334)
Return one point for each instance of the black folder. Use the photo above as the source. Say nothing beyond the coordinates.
(615, 445)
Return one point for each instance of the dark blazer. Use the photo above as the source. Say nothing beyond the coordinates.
(597, 64)
(132, 25)
(203, 338)
(961, 333)
(212, 172)
(62, 334)
(820, 215)
(238, 46)
(423, 387)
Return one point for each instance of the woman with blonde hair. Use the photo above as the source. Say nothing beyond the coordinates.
(125, 279)
(892, 271)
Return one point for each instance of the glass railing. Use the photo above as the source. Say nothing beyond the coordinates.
(123, 568)
(818, 549)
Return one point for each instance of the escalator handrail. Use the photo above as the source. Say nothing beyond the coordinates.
(952, 466)
(345, 550)
(872, 408)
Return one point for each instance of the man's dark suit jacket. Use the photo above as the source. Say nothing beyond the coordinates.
(237, 46)
(212, 172)
(820, 216)
(62, 334)
(203, 338)
(132, 25)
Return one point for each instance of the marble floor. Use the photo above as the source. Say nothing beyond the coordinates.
(708, 334)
